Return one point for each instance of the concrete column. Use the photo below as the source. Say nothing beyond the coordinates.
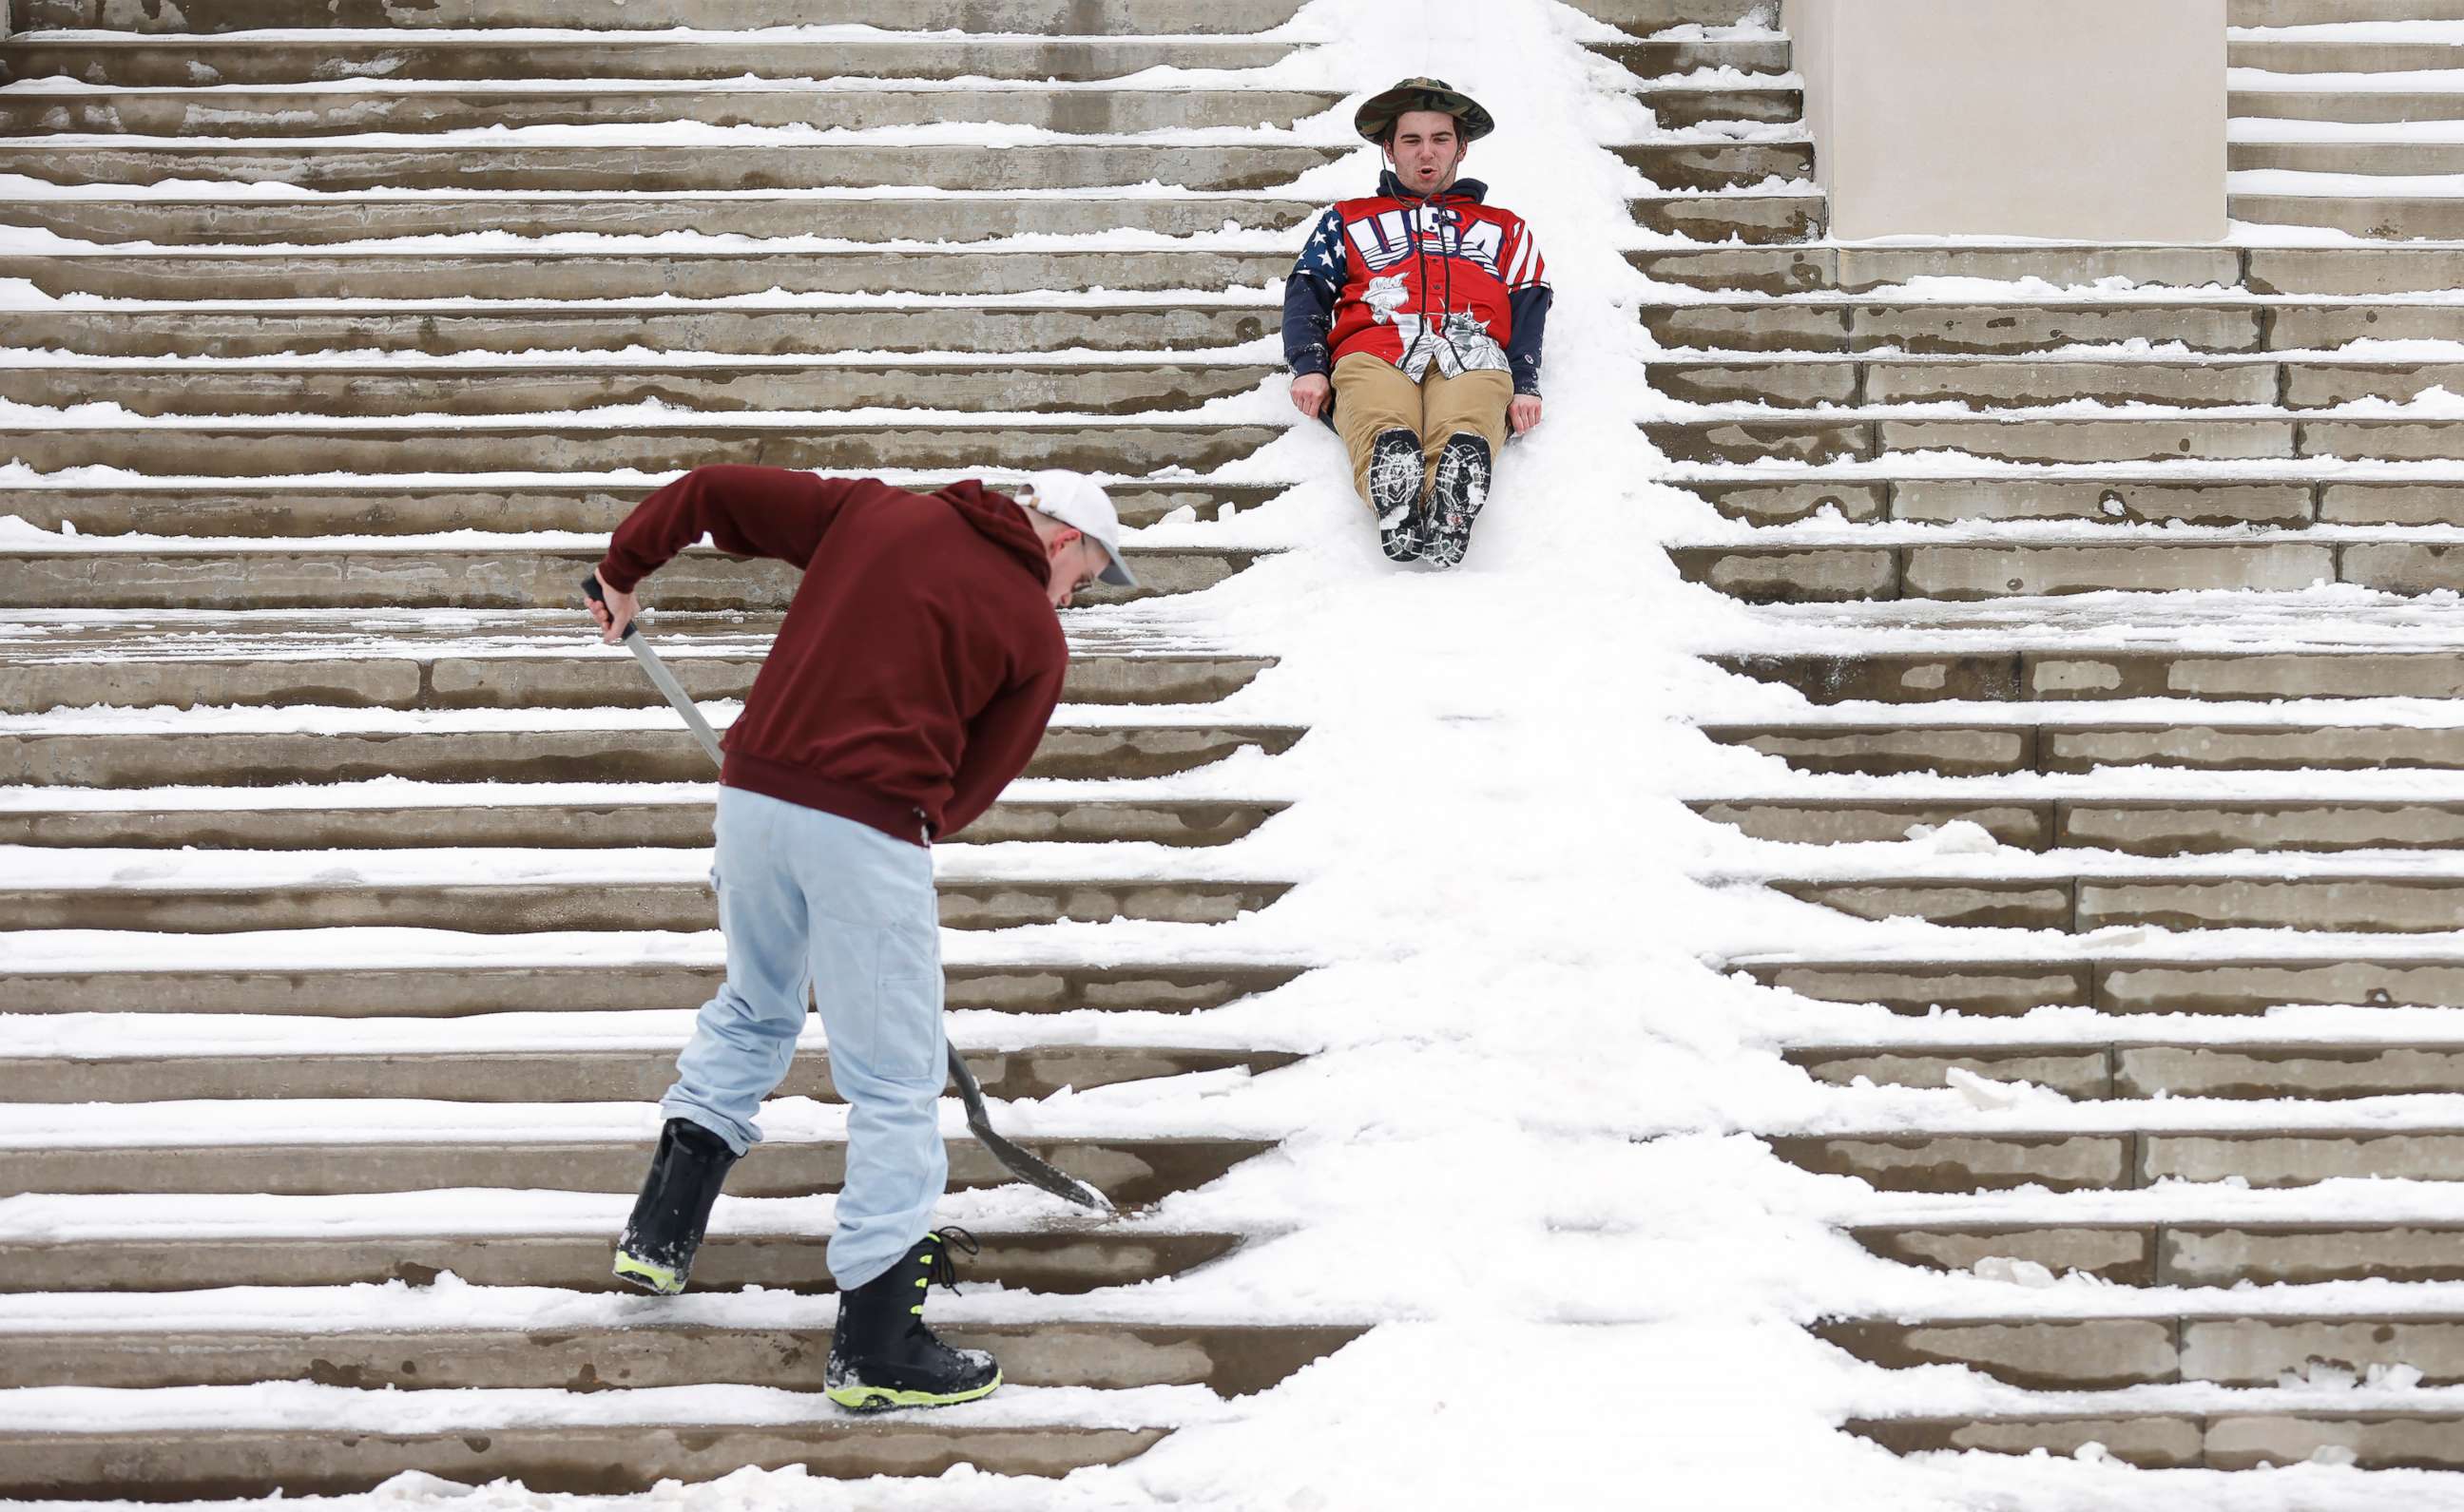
(2074, 119)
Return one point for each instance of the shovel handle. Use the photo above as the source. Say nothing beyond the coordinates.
(591, 590)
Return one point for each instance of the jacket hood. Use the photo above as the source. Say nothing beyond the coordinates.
(1000, 519)
(1390, 186)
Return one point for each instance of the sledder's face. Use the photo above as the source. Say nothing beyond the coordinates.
(1427, 150)
(1077, 561)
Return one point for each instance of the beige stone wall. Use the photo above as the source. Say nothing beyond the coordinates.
(2088, 120)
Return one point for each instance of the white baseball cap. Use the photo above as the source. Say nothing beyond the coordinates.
(1077, 501)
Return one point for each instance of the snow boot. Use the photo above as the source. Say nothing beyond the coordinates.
(656, 1252)
(1395, 476)
(1454, 497)
(881, 1354)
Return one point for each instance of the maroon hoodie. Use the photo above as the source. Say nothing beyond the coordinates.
(919, 661)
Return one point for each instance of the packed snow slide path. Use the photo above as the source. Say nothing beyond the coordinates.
(359, 897)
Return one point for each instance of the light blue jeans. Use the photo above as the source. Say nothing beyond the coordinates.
(809, 898)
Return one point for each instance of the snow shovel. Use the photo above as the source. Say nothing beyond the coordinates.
(1023, 1164)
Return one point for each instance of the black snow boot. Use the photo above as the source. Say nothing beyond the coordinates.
(1456, 495)
(1396, 471)
(657, 1252)
(882, 1356)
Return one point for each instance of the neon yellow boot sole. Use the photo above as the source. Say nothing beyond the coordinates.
(882, 1399)
(649, 1277)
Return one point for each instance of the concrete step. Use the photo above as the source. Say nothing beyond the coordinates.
(441, 992)
(2089, 673)
(246, 1460)
(1698, 165)
(2249, 1071)
(223, 222)
(2118, 496)
(203, 61)
(374, 390)
(512, 578)
(2021, 381)
(2021, 327)
(2334, 12)
(256, 510)
(502, 662)
(626, 753)
(2393, 158)
(582, 824)
(326, 167)
(2097, 1353)
(1993, 750)
(206, 276)
(631, 1075)
(1970, 573)
(2392, 217)
(1659, 60)
(1235, 1360)
(2394, 978)
(275, 444)
(1720, 217)
(1856, 268)
(1131, 1172)
(1963, 1161)
(1154, 324)
(1864, 435)
(2353, 106)
(1044, 17)
(2142, 827)
(1676, 105)
(1060, 1260)
(618, 903)
(309, 110)
(2078, 904)
(2296, 54)
(1643, 17)
(2198, 1254)
(2254, 1439)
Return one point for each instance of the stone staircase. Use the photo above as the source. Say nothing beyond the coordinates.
(2348, 115)
(357, 899)
(2101, 688)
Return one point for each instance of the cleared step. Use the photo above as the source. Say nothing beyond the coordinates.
(2138, 828)
(2296, 54)
(2118, 497)
(194, 61)
(1719, 217)
(81, 670)
(1983, 750)
(1695, 166)
(2190, 1254)
(615, 904)
(2155, 1440)
(512, 578)
(575, 1076)
(1804, 381)
(2247, 1071)
(1943, 327)
(439, 992)
(654, 755)
(262, 510)
(1657, 59)
(529, 388)
(1676, 105)
(209, 448)
(223, 222)
(2402, 159)
(1849, 572)
(1643, 17)
(2391, 217)
(1131, 1172)
(2248, 986)
(1060, 1261)
(2331, 13)
(1050, 17)
(310, 111)
(1228, 1359)
(782, 330)
(1864, 436)
(2353, 106)
(1950, 1161)
(579, 826)
(1857, 269)
(2089, 674)
(218, 277)
(326, 167)
(217, 1463)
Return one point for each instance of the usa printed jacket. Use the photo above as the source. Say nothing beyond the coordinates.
(1446, 281)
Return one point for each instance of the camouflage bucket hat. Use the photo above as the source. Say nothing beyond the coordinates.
(1378, 116)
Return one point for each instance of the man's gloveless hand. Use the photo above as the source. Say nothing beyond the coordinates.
(1309, 394)
(614, 612)
(1523, 413)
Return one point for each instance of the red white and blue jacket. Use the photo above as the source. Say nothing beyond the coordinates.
(1446, 281)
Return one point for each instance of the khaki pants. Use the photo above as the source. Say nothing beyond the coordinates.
(1372, 396)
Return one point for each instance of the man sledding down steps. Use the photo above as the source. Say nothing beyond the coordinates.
(910, 682)
(1412, 322)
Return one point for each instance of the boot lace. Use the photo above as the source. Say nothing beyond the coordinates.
(941, 1267)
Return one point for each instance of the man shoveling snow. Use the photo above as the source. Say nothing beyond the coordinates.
(911, 681)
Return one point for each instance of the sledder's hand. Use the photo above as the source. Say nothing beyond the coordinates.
(1310, 393)
(1523, 413)
(613, 613)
